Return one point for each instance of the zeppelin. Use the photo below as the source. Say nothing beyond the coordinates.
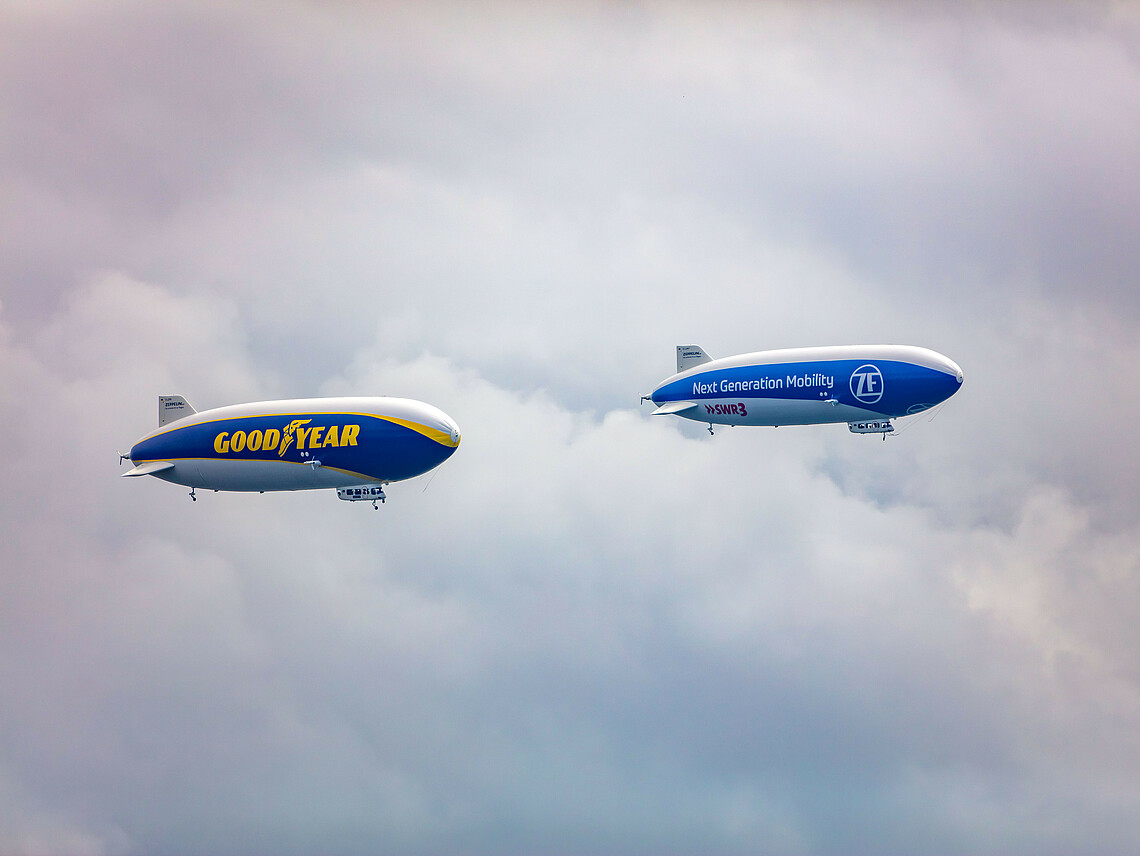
(863, 385)
(352, 445)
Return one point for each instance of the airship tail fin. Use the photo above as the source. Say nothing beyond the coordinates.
(691, 355)
(171, 408)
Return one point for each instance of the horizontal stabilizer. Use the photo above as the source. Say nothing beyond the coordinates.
(674, 407)
(149, 468)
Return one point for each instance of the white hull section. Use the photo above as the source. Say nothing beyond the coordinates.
(383, 406)
(901, 353)
(213, 474)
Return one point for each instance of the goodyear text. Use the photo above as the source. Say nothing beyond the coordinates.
(298, 431)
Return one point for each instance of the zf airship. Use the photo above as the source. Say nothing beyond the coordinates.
(863, 385)
(356, 445)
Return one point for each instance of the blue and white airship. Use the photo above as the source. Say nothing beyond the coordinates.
(865, 386)
(355, 445)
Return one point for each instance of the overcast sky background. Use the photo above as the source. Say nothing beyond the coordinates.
(591, 631)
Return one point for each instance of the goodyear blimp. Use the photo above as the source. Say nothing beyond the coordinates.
(865, 386)
(355, 445)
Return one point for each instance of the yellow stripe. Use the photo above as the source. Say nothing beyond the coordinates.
(441, 437)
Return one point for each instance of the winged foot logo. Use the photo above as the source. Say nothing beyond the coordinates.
(287, 437)
(312, 437)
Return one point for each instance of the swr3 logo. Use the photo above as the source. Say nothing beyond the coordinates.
(727, 409)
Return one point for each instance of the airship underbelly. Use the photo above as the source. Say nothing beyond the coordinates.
(239, 475)
(775, 411)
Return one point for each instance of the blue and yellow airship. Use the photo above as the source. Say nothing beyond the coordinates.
(354, 445)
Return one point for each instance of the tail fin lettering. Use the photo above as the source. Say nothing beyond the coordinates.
(171, 408)
(691, 355)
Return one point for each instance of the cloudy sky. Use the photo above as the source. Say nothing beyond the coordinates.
(590, 631)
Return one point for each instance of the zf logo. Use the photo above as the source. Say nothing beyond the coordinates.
(867, 384)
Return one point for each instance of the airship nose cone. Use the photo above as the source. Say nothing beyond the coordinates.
(451, 429)
(956, 370)
(951, 368)
(954, 377)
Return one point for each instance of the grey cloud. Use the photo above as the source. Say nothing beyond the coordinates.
(598, 630)
(590, 630)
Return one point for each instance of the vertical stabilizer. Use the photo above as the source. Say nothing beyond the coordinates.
(691, 355)
(171, 408)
